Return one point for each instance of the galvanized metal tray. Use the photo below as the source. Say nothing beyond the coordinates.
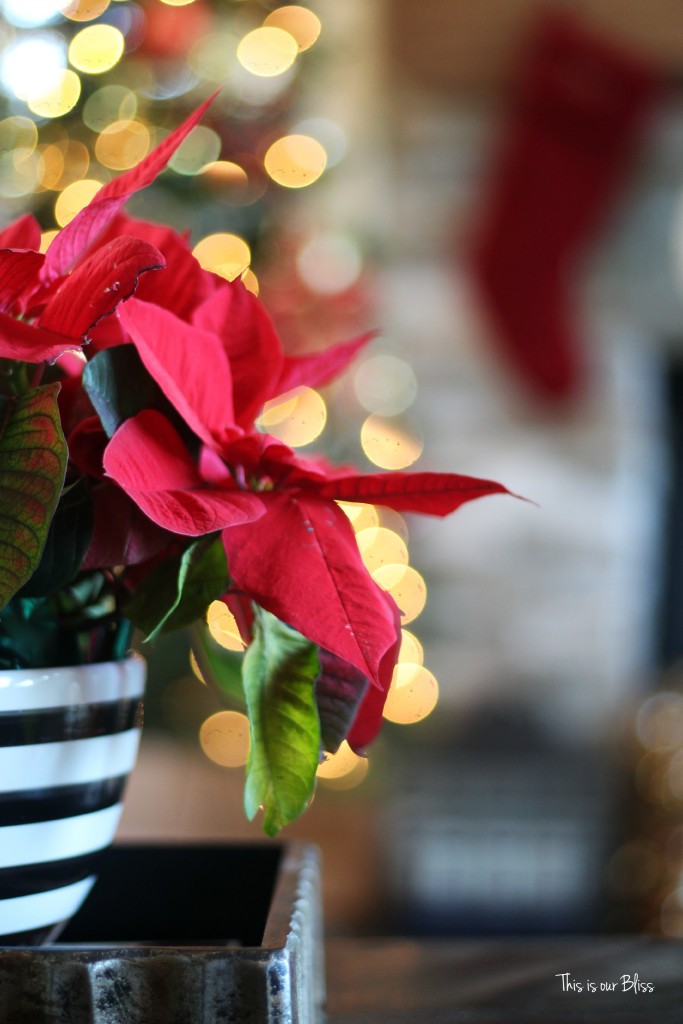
(181, 934)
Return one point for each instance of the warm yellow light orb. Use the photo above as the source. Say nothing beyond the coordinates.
(62, 163)
(296, 418)
(225, 174)
(46, 237)
(196, 671)
(339, 763)
(223, 253)
(406, 586)
(84, 10)
(393, 520)
(223, 627)
(299, 22)
(122, 145)
(72, 200)
(295, 161)
(343, 769)
(250, 281)
(413, 694)
(267, 51)
(96, 49)
(224, 738)
(360, 516)
(60, 98)
(388, 444)
(411, 648)
(379, 546)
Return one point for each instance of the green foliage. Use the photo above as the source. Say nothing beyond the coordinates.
(33, 456)
(220, 668)
(279, 672)
(119, 386)
(67, 541)
(178, 591)
(76, 624)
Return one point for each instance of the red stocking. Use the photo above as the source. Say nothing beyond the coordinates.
(577, 114)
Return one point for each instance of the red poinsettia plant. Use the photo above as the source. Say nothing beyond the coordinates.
(136, 487)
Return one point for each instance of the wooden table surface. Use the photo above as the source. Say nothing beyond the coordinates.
(396, 981)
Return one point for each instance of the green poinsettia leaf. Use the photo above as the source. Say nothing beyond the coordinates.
(220, 668)
(279, 672)
(67, 541)
(178, 591)
(119, 386)
(33, 456)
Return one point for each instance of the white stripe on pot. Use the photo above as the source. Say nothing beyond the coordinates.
(44, 765)
(21, 913)
(31, 689)
(45, 841)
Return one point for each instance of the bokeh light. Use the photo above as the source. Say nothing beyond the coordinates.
(379, 546)
(393, 520)
(227, 180)
(659, 723)
(299, 22)
(295, 161)
(223, 253)
(224, 738)
(201, 147)
(62, 163)
(60, 98)
(267, 52)
(122, 144)
(19, 172)
(108, 104)
(329, 134)
(196, 671)
(413, 694)
(343, 769)
(32, 65)
(46, 238)
(223, 627)
(361, 516)
(411, 648)
(296, 418)
(250, 281)
(385, 385)
(214, 56)
(96, 49)
(406, 586)
(30, 13)
(177, 3)
(18, 133)
(388, 443)
(74, 197)
(330, 263)
(83, 10)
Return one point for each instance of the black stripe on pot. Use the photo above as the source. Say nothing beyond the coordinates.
(34, 805)
(32, 878)
(76, 722)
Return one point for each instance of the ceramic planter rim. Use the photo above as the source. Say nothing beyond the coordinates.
(59, 686)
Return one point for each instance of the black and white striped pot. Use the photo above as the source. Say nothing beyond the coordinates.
(68, 740)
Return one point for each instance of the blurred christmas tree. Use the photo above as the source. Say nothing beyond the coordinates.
(89, 86)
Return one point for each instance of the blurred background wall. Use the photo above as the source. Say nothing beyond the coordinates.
(497, 188)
